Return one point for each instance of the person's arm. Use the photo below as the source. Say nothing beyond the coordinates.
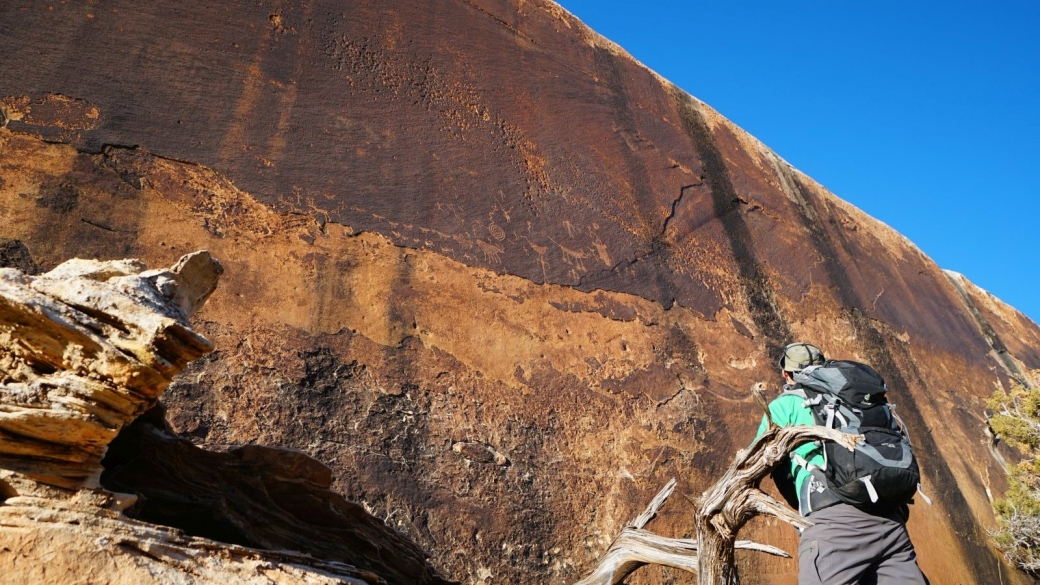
(787, 411)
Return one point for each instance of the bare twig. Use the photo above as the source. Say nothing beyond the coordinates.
(758, 390)
(635, 548)
(726, 506)
(762, 548)
(651, 510)
(765, 504)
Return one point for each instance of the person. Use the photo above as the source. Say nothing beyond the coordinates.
(845, 545)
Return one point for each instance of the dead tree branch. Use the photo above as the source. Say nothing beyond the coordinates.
(736, 498)
(722, 510)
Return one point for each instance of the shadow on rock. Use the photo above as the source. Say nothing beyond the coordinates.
(255, 496)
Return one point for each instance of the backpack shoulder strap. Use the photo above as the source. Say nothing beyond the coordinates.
(794, 391)
(810, 396)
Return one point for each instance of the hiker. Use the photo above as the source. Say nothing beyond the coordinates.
(859, 533)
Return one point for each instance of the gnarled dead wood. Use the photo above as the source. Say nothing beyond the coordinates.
(722, 510)
(635, 548)
(725, 507)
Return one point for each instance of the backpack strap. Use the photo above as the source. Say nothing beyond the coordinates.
(899, 423)
(801, 462)
(906, 433)
(816, 494)
(871, 490)
(920, 492)
(799, 391)
(834, 412)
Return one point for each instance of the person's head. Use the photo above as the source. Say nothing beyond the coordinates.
(795, 357)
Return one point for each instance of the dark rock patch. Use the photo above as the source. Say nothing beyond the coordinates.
(15, 254)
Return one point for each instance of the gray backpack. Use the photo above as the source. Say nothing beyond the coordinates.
(882, 472)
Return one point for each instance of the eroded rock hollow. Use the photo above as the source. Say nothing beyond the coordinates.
(500, 278)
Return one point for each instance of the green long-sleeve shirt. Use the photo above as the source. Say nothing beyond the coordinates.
(787, 411)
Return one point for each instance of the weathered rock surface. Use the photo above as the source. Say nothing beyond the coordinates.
(78, 540)
(500, 278)
(85, 349)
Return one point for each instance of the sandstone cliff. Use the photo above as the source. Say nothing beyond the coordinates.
(499, 277)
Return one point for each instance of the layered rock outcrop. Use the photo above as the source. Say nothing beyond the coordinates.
(498, 276)
(85, 349)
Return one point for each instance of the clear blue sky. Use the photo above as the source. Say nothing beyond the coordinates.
(924, 114)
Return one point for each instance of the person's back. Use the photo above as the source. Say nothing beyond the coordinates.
(846, 545)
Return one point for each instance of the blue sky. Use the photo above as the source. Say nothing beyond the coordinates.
(924, 114)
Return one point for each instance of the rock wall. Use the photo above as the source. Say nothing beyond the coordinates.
(498, 276)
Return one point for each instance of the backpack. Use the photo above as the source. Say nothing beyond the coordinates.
(881, 473)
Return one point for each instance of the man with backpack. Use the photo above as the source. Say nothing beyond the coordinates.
(856, 500)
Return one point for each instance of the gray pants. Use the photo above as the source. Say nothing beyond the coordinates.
(847, 546)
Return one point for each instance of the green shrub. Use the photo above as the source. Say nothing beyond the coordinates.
(1016, 419)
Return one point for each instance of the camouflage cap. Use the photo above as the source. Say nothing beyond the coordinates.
(797, 356)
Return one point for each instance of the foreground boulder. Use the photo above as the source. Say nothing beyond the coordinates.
(57, 537)
(85, 349)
